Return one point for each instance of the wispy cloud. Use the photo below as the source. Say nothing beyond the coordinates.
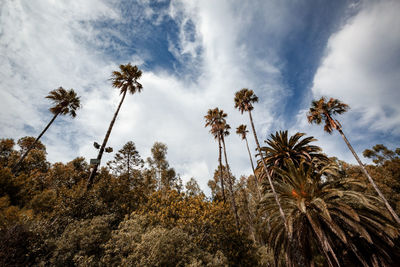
(361, 68)
(195, 56)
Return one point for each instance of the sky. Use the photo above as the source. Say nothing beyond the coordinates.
(194, 56)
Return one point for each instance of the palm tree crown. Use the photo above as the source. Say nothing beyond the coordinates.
(65, 102)
(216, 119)
(242, 131)
(281, 147)
(322, 111)
(126, 79)
(244, 100)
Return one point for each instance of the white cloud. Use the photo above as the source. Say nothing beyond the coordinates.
(362, 68)
(50, 43)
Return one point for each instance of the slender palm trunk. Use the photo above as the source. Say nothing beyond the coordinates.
(251, 160)
(269, 177)
(221, 177)
(392, 212)
(252, 167)
(99, 156)
(230, 186)
(16, 166)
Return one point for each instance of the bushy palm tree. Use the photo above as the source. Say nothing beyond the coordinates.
(244, 100)
(126, 80)
(65, 103)
(321, 111)
(220, 129)
(281, 147)
(331, 216)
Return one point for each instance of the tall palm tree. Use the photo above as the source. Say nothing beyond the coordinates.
(242, 131)
(322, 111)
(213, 118)
(224, 131)
(65, 103)
(126, 80)
(332, 216)
(244, 100)
(216, 118)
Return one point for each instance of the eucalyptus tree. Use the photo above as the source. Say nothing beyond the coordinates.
(126, 80)
(164, 174)
(244, 100)
(65, 103)
(321, 111)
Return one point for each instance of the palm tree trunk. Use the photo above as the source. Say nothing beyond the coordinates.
(230, 186)
(269, 177)
(15, 168)
(99, 156)
(392, 212)
(252, 167)
(251, 160)
(221, 177)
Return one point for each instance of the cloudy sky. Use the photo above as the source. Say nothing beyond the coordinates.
(195, 55)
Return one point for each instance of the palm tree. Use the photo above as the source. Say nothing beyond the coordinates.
(322, 111)
(242, 131)
(65, 103)
(216, 118)
(244, 100)
(125, 80)
(224, 131)
(213, 118)
(281, 147)
(333, 217)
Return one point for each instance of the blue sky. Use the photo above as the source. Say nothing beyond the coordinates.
(195, 55)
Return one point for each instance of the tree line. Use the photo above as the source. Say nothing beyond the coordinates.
(299, 207)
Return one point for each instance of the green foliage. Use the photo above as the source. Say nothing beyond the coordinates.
(126, 161)
(193, 189)
(139, 217)
(81, 242)
(334, 217)
(210, 224)
(380, 153)
(164, 175)
(14, 246)
(6, 152)
(137, 242)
